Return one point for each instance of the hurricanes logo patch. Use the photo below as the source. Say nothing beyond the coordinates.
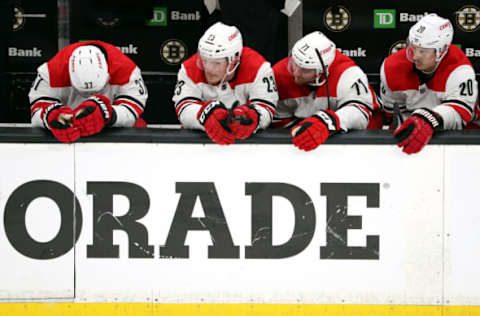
(337, 18)
(173, 51)
(398, 45)
(468, 18)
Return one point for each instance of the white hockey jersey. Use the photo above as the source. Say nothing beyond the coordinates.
(350, 95)
(125, 89)
(451, 91)
(252, 83)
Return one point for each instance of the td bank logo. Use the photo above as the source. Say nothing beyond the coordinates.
(159, 17)
(384, 18)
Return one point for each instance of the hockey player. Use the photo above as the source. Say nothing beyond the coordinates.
(225, 89)
(85, 87)
(321, 92)
(431, 84)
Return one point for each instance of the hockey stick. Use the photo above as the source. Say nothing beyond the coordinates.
(396, 116)
(229, 118)
(326, 76)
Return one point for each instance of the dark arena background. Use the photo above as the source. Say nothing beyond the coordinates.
(159, 35)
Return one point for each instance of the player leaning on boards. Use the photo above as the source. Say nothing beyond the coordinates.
(431, 83)
(321, 91)
(220, 76)
(73, 93)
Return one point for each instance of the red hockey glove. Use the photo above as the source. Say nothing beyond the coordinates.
(314, 131)
(140, 122)
(244, 121)
(58, 119)
(212, 116)
(417, 130)
(92, 115)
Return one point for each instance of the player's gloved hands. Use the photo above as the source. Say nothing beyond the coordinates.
(58, 119)
(92, 115)
(212, 116)
(417, 130)
(314, 131)
(244, 121)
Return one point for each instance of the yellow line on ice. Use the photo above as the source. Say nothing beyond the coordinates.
(149, 309)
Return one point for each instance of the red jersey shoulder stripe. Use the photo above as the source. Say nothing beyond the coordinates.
(399, 72)
(336, 69)
(193, 71)
(454, 59)
(287, 88)
(250, 63)
(120, 67)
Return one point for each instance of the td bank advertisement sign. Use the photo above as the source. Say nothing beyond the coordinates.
(179, 223)
(377, 26)
(384, 19)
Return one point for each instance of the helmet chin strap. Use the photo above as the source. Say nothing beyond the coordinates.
(316, 82)
(437, 63)
(228, 73)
